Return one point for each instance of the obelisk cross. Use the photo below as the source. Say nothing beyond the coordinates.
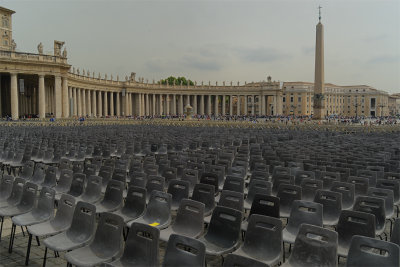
(319, 13)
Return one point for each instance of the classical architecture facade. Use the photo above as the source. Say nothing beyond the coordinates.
(42, 85)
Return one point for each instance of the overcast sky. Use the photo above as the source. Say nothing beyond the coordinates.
(219, 40)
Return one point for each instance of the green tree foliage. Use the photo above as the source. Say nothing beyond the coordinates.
(178, 81)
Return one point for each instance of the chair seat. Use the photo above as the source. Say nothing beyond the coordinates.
(107, 207)
(167, 232)
(288, 237)
(128, 216)
(156, 224)
(46, 228)
(86, 257)
(214, 249)
(62, 242)
(31, 218)
(13, 211)
(271, 262)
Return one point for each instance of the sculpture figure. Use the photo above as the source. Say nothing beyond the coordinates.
(40, 48)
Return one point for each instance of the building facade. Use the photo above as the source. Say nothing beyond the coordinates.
(42, 85)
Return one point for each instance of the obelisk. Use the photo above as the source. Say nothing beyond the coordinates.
(319, 80)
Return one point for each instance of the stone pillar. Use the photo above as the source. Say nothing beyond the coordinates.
(78, 101)
(42, 102)
(260, 107)
(223, 105)
(75, 101)
(84, 113)
(252, 105)
(181, 104)
(89, 103)
(238, 111)
(187, 99)
(94, 104)
(160, 103)
(202, 105)
(275, 105)
(153, 106)
(14, 96)
(216, 106)
(147, 105)
(230, 105)
(126, 104)
(319, 79)
(117, 95)
(209, 105)
(168, 112)
(99, 104)
(174, 104)
(58, 96)
(112, 114)
(245, 106)
(65, 102)
(195, 111)
(105, 110)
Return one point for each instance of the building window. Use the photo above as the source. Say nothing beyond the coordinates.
(283, 99)
(299, 99)
(291, 99)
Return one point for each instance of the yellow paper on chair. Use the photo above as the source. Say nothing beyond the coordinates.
(154, 224)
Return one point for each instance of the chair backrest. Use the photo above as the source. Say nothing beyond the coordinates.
(280, 170)
(141, 247)
(395, 237)
(211, 179)
(373, 205)
(159, 207)
(16, 191)
(27, 170)
(179, 190)
(65, 180)
(231, 199)
(6, 186)
(361, 185)
(65, 212)
(45, 202)
(263, 237)
(281, 179)
(39, 173)
(90, 169)
(259, 175)
(347, 191)
(184, 251)
(114, 192)
(393, 185)
(83, 222)
(135, 201)
(288, 193)
(304, 212)
(189, 218)
(108, 238)
(331, 201)
(314, 245)
(355, 223)
(366, 251)
(300, 175)
(224, 228)
(327, 178)
(309, 187)
(77, 167)
(93, 187)
(241, 261)
(205, 194)
(77, 185)
(265, 205)
(29, 195)
(234, 183)
(387, 195)
(50, 179)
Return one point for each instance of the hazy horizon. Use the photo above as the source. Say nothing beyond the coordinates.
(218, 40)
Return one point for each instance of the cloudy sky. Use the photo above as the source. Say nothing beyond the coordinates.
(219, 40)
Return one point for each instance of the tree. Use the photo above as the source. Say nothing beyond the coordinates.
(172, 79)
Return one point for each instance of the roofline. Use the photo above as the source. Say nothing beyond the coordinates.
(7, 10)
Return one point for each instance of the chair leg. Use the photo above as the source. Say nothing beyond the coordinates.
(1, 227)
(23, 232)
(10, 246)
(37, 241)
(45, 257)
(28, 250)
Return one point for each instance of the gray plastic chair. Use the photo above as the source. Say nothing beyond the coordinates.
(395, 237)
(301, 175)
(301, 212)
(27, 170)
(38, 174)
(106, 245)
(223, 231)
(375, 206)
(141, 247)
(135, 204)
(257, 187)
(281, 179)
(16, 193)
(191, 176)
(370, 252)
(361, 185)
(393, 185)
(347, 191)
(158, 212)
(6, 187)
(92, 192)
(327, 178)
(188, 221)
(64, 183)
(154, 183)
(314, 246)
(183, 251)
(234, 183)
(113, 197)
(263, 241)
(239, 261)
(332, 206)
(287, 193)
(179, 190)
(78, 185)
(263, 205)
(79, 234)
(309, 187)
(61, 222)
(353, 223)
(387, 195)
(50, 179)
(205, 194)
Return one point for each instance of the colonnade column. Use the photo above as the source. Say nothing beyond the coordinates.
(147, 105)
(144, 104)
(42, 102)
(216, 106)
(252, 105)
(168, 112)
(105, 110)
(75, 107)
(181, 104)
(259, 105)
(195, 111)
(112, 104)
(65, 103)
(263, 105)
(118, 104)
(14, 96)
(89, 103)
(223, 105)
(99, 103)
(246, 112)
(94, 104)
(202, 104)
(230, 105)
(84, 113)
(238, 111)
(78, 100)
(58, 96)
(126, 104)
(209, 105)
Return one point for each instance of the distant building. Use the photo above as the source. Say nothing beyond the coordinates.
(394, 104)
